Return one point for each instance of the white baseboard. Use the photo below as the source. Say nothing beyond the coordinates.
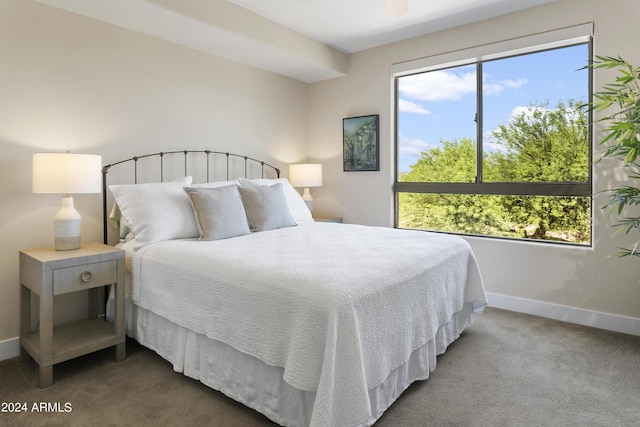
(9, 348)
(627, 325)
(594, 319)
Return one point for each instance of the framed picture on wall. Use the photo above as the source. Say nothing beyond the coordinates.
(361, 143)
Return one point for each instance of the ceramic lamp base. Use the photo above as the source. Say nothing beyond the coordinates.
(306, 196)
(66, 225)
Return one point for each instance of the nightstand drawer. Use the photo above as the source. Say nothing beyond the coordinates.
(86, 276)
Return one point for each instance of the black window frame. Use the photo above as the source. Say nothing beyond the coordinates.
(568, 189)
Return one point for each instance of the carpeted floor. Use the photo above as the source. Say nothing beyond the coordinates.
(507, 369)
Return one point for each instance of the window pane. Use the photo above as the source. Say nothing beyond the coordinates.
(436, 126)
(535, 178)
(533, 129)
(561, 219)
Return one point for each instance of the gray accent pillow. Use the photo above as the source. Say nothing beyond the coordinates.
(266, 207)
(219, 212)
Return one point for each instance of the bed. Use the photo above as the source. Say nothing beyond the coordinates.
(309, 323)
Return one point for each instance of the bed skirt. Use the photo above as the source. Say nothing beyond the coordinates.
(259, 386)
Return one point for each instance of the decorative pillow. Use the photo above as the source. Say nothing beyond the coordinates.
(266, 207)
(297, 206)
(215, 184)
(156, 211)
(219, 212)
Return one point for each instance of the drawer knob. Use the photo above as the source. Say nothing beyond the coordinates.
(86, 276)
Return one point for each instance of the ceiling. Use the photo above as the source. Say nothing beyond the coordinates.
(309, 40)
(355, 25)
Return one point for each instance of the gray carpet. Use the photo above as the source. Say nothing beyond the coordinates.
(507, 369)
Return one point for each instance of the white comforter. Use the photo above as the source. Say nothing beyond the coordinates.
(337, 306)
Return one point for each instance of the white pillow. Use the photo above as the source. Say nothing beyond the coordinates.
(157, 211)
(219, 212)
(297, 206)
(266, 207)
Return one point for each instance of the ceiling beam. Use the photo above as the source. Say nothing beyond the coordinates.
(220, 28)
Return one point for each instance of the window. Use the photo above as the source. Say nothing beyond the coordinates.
(497, 145)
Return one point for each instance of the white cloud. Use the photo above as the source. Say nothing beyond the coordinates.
(445, 85)
(494, 88)
(412, 146)
(515, 83)
(411, 107)
(409, 152)
(438, 85)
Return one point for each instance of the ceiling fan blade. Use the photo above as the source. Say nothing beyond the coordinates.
(396, 7)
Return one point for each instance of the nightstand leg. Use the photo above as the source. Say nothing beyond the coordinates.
(46, 376)
(46, 339)
(25, 320)
(118, 314)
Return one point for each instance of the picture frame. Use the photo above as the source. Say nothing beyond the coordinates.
(361, 143)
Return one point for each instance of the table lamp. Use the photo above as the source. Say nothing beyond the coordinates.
(306, 175)
(65, 173)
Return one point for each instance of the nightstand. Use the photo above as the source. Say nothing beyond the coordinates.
(321, 218)
(47, 272)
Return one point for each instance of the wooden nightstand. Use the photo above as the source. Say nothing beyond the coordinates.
(47, 272)
(321, 218)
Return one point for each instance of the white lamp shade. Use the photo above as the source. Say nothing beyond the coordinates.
(305, 175)
(396, 7)
(65, 173)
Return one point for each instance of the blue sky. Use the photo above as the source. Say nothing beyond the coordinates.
(441, 105)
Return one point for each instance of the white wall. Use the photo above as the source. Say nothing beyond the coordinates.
(583, 279)
(72, 83)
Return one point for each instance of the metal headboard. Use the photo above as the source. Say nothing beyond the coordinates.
(209, 155)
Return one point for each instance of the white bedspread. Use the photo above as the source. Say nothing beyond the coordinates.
(337, 306)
